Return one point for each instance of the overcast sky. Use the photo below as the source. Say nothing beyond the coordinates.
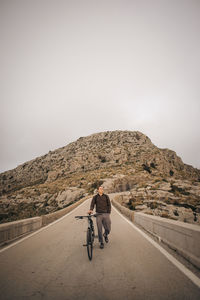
(73, 68)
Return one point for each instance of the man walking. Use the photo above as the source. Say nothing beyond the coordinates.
(103, 206)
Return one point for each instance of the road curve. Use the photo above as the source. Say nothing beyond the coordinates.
(53, 264)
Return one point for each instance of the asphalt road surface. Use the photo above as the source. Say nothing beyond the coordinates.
(53, 264)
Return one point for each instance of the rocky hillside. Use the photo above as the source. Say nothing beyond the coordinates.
(52, 181)
(175, 199)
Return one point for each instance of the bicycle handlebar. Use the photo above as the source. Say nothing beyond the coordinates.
(88, 216)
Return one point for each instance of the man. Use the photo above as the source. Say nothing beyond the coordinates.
(103, 206)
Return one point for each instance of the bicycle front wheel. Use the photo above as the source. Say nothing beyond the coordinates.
(89, 243)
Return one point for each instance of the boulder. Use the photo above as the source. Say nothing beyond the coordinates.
(68, 196)
(52, 176)
(140, 207)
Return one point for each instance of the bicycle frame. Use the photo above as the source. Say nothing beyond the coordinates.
(90, 234)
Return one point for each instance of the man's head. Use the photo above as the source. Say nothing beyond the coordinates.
(100, 190)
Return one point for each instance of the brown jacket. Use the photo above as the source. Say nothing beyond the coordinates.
(103, 204)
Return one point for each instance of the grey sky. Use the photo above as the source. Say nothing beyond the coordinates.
(73, 68)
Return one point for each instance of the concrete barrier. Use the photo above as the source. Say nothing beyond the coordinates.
(184, 238)
(11, 230)
(46, 219)
(125, 211)
(180, 236)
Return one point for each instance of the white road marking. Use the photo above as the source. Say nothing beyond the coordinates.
(173, 260)
(41, 229)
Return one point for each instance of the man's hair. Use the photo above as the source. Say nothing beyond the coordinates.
(100, 186)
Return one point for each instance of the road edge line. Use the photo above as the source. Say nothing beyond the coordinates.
(41, 229)
(173, 260)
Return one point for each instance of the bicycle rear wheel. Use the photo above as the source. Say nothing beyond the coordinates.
(89, 243)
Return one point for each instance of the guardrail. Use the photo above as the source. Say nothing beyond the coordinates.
(180, 236)
(12, 230)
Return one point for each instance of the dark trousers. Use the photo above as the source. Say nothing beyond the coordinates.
(103, 220)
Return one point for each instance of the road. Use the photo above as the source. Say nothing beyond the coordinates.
(53, 264)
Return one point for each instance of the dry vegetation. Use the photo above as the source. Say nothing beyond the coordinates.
(128, 159)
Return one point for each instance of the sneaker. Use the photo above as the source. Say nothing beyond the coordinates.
(102, 245)
(105, 237)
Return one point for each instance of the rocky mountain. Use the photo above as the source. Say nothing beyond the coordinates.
(52, 181)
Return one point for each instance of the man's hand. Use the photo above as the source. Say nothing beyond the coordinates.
(90, 212)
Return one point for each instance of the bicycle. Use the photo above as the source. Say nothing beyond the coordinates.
(90, 233)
